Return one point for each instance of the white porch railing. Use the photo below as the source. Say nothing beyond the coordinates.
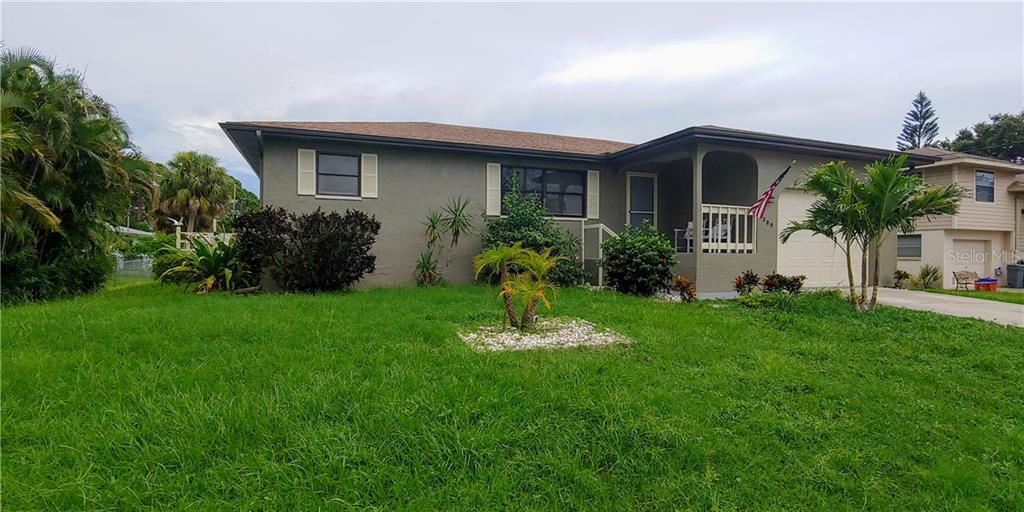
(181, 238)
(727, 229)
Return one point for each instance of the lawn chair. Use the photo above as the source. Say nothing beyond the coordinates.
(965, 278)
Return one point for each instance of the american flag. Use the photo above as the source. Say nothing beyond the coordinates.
(760, 206)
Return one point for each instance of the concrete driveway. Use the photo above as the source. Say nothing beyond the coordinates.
(999, 312)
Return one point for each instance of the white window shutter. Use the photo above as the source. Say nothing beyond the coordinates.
(368, 175)
(494, 189)
(306, 177)
(593, 194)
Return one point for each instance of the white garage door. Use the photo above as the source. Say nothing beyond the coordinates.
(816, 257)
(971, 255)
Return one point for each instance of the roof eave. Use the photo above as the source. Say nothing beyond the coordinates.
(980, 162)
(698, 134)
(418, 143)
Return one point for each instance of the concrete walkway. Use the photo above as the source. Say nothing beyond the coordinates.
(999, 312)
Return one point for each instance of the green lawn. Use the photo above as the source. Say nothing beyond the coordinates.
(142, 396)
(1011, 297)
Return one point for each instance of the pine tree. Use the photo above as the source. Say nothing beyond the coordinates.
(920, 125)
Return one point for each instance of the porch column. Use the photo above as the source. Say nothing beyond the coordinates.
(698, 199)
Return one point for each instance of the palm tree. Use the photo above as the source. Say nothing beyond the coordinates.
(532, 285)
(893, 200)
(195, 185)
(66, 162)
(499, 260)
(835, 215)
(865, 212)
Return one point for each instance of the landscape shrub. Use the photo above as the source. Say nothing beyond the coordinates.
(527, 223)
(26, 280)
(746, 282)
(260, 237)
(776, 282)
(900, 278)
(687, 291)
(164, 261)
(929, 276)
(208, 266)
(639, 261)
(312, 252)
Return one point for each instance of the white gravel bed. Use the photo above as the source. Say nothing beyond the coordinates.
(553, 333)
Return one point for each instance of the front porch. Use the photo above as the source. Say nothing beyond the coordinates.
(660, 190)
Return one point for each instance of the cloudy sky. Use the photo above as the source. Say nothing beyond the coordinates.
(842, 72)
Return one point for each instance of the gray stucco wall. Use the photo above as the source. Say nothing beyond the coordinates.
(411, 183)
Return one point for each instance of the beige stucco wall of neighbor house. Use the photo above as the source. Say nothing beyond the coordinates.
(994, 225)
(411, 183)
(953, 250)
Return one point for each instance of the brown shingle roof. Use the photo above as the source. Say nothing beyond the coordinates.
(455, 134)
(945, 154)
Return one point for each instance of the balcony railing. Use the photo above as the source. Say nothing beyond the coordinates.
(726, 229)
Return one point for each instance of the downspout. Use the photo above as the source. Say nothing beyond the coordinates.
(259, 144)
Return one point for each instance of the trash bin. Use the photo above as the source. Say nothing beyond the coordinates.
(1015, 275)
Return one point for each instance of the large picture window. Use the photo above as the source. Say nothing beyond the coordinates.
(984, 187)
(562, 192)
(337, 175)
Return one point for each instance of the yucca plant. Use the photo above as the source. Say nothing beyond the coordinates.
(208, 267)
(426, 269)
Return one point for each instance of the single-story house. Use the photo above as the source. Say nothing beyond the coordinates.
(986, 234)
(399, 171)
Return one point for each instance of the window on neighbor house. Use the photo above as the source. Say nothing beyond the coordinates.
(908, 246)
(337, 175)
(562, 192)
(984, 187)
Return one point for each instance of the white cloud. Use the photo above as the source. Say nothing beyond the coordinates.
(201, 134)
(677, 61)
(630, 72)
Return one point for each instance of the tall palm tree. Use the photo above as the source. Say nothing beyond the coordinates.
(893, 200)
(195, 185)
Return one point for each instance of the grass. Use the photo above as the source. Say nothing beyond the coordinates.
(1011, 297)
(143, 396)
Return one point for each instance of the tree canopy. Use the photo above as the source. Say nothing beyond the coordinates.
(920, 125)
(196, 190)
(67, 168)
(1001, 137)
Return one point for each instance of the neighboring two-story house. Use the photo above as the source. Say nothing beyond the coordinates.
(694, 185)
(988, 231)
